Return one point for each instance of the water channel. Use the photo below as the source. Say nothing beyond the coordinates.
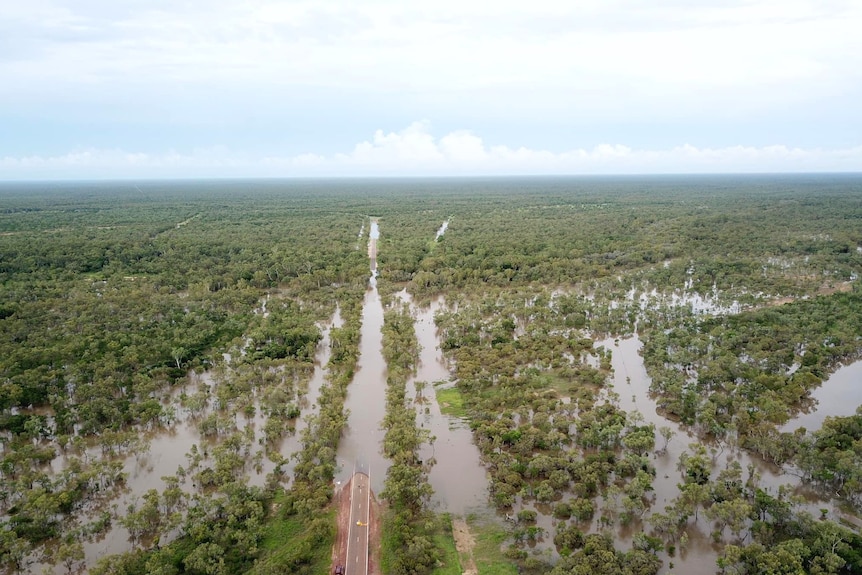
(839, 396)
(362, 438)
(458, 477)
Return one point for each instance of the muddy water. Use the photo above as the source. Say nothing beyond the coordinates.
(373, 236)
(366, 395)
(458, 477)
(308, 401)
(631, 383)
(840, 396)
(630, 391)
(167, 448)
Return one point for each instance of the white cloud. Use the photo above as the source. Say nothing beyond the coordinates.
(618, 59)
(415, 151)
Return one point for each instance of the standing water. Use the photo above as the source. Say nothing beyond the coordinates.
(442, 230)
(631, 383)
(457, 477)
(366, 394)
(164, 451)
(838, 396)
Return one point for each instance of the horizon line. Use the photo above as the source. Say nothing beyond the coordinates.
(216, 178)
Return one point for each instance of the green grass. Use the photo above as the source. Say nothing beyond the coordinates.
(487, 553)
(451, 402)
(297, 545)
(445, 542)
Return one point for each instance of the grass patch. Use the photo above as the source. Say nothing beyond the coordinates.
(487, 553)
(296, 544)
(445, 542)
(441, 536)
(451, 402)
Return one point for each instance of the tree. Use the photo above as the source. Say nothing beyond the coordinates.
(667, 434)
(70, 554)
(179, 353)
(207, 559)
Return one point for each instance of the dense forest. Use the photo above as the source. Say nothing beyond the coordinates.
(230, 312)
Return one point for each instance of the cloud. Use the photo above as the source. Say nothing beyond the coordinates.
(415, 151)
(618, 59)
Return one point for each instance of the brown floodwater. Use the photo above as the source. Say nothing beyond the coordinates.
(308, 399)
(362, 439)
(839, 396)
(629, 389)
(458, 477)
(631, 384)
(166, 449)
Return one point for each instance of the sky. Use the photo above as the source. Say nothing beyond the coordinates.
(93, 89)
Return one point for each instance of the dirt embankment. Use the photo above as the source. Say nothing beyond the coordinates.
(464, 543)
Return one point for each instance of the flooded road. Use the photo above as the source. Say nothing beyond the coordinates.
(366, 395)
(458, 477)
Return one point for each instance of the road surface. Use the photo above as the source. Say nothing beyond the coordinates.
(357, 537)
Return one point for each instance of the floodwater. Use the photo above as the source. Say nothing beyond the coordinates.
(167, 448)
(684, 298)
(458, 478)
(839, 396)
(631, 384)
(373, 236)
(366, 395)
(308, 401)
(630, 391)
(442, 230)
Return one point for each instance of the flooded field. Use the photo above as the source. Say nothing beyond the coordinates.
(629, 389)
(458, 477)
(457, 474)
(160, 455)
(631, 386)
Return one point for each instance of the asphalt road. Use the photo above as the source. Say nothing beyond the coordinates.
(357, 537)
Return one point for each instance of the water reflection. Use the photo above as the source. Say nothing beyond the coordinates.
(839, 396)
(631, 385)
